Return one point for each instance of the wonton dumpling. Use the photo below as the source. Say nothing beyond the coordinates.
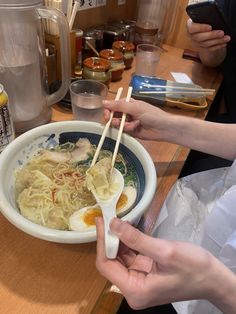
(98, 179)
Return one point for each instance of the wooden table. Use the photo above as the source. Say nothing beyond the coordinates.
(42, 277)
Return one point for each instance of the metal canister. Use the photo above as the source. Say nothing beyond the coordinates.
(129, 28)
(111, 33)
(7, 133)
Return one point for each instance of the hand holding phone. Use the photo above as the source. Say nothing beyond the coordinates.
(208, 12)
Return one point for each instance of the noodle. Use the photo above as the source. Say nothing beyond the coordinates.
(49, 192)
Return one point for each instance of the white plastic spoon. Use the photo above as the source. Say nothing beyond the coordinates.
(108, 208)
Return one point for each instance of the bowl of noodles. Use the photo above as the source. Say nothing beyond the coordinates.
(43, 188)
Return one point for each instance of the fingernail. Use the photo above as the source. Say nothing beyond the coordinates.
(220, 33)
(227, 38)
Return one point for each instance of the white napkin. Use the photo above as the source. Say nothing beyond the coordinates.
(200, 209)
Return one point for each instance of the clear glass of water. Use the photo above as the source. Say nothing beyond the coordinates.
(87, 100)
(147, 59)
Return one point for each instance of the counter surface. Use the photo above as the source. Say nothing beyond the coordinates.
(42, 277)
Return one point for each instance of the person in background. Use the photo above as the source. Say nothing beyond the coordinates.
(219, 49)
(216, 49)
(198, 277)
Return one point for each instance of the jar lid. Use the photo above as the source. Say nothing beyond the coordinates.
(97, 64)
(123, 45)
(111, 54)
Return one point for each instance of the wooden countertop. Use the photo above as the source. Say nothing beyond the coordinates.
(41, 277)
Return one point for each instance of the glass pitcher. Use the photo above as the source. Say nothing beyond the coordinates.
(23, 71)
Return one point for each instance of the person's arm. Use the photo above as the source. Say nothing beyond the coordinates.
(213, 138)
(211, 44)
(151, 271)
(150, 122)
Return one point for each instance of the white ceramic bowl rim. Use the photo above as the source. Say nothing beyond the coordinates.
(71, 126)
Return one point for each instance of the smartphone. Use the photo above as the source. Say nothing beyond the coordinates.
(208, 12)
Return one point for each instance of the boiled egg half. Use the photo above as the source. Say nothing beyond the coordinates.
(84, 218)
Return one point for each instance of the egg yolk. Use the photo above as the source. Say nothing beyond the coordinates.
(91, 214)
(122, 201)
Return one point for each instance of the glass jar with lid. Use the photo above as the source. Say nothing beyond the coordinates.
(117, 62)
(96, 68)
(127, 48)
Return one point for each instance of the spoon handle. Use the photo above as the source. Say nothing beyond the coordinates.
(111, 240)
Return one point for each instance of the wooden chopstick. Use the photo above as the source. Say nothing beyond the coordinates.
(73, 14)
(104, 133)
(69, 9)
(180, 88)
(194, 92)
(122, 123)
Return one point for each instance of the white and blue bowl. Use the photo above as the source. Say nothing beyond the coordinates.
(24, 147)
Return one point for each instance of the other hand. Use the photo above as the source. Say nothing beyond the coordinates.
(205, 38)
(151, 271)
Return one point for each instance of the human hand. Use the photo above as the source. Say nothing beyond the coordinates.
(143, 120)
(206, 39)
(151, 271)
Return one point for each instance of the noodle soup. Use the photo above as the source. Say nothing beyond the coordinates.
(46, 137)
(51, 187)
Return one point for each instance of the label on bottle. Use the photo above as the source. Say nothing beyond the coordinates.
(6, 125)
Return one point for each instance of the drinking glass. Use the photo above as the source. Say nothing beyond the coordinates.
(147, 59)
(87, 99)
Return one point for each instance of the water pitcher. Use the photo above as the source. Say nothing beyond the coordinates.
(23, 70)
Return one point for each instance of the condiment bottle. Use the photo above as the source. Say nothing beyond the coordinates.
(7, 133)
(98, 69)
(78, 45)
(127, 48)
(117, 62)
